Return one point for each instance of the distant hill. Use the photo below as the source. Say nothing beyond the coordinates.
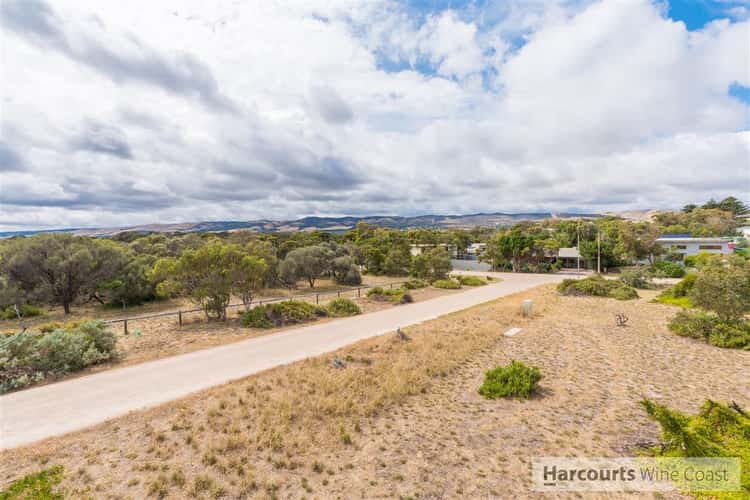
(333, 224)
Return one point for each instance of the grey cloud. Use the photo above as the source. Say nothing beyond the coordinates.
(10, 160)
(182, 74)
(98, 138)
(329, 104)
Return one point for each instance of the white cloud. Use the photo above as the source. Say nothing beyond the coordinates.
(117, 113)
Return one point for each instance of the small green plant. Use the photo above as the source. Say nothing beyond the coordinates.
(343, 307)
(447, 284)
(667, 269)
(397, 295)
(636, 278)
(37, 486)
(514, 380)
(415, 283)
(597, 286)
(26, 310)
(471, 280)
(716, 431)
(733, 334)
(288, 312)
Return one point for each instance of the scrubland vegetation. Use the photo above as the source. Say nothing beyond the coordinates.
(597, 286)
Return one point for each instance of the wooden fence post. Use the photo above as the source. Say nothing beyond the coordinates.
(317, 299)
(125, 323)
(179, 317)
(359, 292)
(338, 294)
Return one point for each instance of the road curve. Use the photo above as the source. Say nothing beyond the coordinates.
(54, 409)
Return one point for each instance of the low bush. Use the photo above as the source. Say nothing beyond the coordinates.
(447, 284)
(288, 312)
(679, 294)
(716, 431)
(343, 307)
(471, 280)
(414, 284)
(514, 380)
(29, 357)
(596, 286)
(39, 485)
(636, 278)
(667, 269)
(398, 295)
(709, 327)
(26, 310)
(50, 326)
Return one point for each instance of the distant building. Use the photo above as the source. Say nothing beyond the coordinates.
(569, 256)
(745, 232)
(418, 248)
(472, 252)
(688, 246)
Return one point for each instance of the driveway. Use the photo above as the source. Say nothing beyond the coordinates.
(37, 413)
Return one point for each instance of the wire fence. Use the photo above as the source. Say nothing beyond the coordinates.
(181, 313)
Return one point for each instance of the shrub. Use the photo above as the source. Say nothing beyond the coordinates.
(596, 286)
(39, 485)
(284, 313)
(723, 287)
(734, 334)
(694, 325)
(636, 278)
(28, 357)
(398, 295)
(26, 310)
(471, 281)
(716, 431)
(406, 298)
(415, 283)
(372, 292)
(343, 307)
(50, 326)
(447, 284)
(678, 294)
(514, 380)
(667, 269)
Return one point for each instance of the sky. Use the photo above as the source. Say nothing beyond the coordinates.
(122, 113)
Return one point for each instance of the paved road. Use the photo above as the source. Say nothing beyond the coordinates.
(33, 414)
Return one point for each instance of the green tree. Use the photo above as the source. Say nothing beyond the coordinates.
(132, 284)
(514, 247)
(637, 241)
(397, 262)
(311, 262)
(250, 277)
(209, 275)
(432, 264)
(61, 268)
(723, 286)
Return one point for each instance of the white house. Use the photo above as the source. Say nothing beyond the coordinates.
(689, 246)
(745, 232)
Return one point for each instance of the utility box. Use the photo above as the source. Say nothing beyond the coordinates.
(527, 308)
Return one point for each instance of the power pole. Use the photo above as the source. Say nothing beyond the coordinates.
(578, 247)
(598, 250)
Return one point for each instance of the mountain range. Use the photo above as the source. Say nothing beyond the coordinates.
(333, 224)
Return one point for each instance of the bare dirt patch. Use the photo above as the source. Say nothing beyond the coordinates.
(403, 418)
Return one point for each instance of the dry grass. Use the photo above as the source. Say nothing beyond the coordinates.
(403, 419)
(155, 338)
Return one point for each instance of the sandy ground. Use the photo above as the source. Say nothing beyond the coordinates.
(404, 420)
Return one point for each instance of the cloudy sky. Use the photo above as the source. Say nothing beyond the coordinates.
(120, 113)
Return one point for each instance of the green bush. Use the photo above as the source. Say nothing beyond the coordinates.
(288, 312)
(26, 310)
(414, 284)
(29, 357)
(636, 278)
(398, 295)
(471, 280)
(447, 284)
(374, 291)
(711, 328)
(37, 486)
(693, 324)
(343, 307)
(678, 294)
(667, 269)
(716, 431)
(731, 335)
(514, 380)
(596, 286)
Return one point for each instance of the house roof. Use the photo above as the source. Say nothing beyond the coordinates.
(671, 239)
(568, 253)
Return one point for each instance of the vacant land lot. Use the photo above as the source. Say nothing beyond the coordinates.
(155, 338)
(403, 418)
